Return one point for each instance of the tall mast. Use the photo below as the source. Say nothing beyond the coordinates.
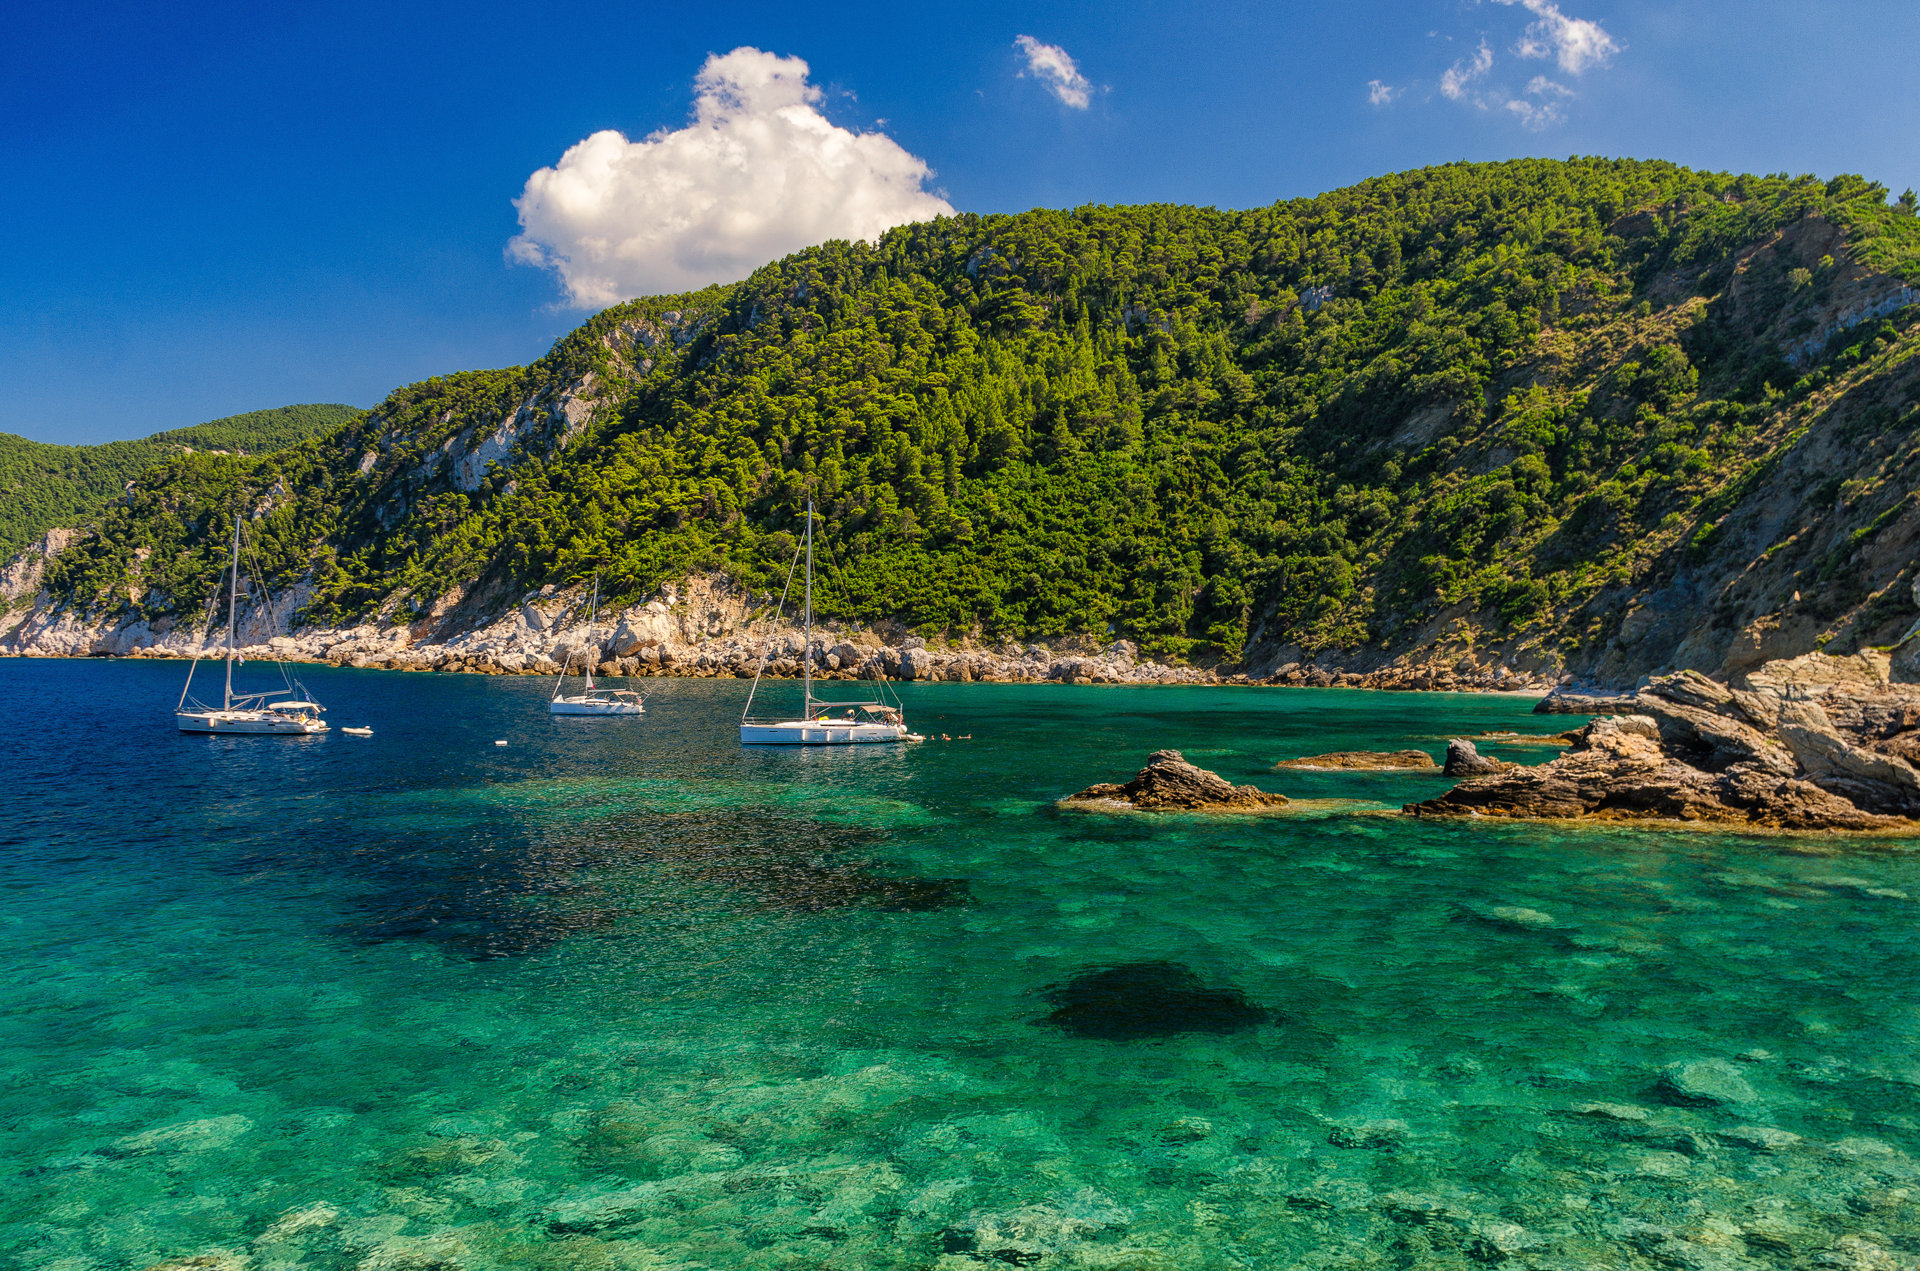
(233, 604)
(806, 657)
(593, 607)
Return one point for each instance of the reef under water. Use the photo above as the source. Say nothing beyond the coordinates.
(624, 995)
(1148, 999)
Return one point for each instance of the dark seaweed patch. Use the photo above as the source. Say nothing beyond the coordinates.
(1148, 999)
(512, 891)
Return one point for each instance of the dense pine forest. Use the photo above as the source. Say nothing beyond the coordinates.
(1506, 403)
(44, 485)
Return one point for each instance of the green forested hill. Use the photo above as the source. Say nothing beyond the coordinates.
(1503, 403)
(44, 485)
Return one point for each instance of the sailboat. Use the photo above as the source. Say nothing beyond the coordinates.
(247, 713)
(593, 699)
(821, 723)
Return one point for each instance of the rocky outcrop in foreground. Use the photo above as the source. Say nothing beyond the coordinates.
(1170, 783)
(1816, 743)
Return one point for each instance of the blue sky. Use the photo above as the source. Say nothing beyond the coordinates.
(216, 208)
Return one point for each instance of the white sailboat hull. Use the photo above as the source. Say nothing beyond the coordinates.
(883, 724)
(593, 706)
(803, 732)
(246, 722)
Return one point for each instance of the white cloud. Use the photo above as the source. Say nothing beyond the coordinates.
(1576, 43)
(1536, 116)
(760, 172)
(1050, 64)
(1380, 94)
(1453, 83)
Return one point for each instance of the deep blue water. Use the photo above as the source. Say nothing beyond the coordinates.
(621, 994)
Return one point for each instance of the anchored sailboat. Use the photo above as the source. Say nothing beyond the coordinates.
(593, 699)
(821, 723)
(247, 713)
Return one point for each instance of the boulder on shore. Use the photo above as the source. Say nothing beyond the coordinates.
(1169, 782)
(1787, 756)
(1365, 761)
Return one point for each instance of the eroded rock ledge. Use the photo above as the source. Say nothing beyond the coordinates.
(1170, 783)
(1816, 743)
(1363, 761)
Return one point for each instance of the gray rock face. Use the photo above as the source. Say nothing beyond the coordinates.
(1169, 782)
(1883, 782)
(1465, 760)
(1695, 750)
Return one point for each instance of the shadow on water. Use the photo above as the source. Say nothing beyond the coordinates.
(1148, 999)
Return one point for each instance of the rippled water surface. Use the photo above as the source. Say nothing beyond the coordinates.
(622, 995)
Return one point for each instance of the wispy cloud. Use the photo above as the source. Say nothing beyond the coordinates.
(1052, 66)
(1548, 107)
(1456, 78)
(1575, 43)
(760, 172)
(1380, 94)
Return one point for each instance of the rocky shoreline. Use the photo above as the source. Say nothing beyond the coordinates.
(701, 628)
(1813, 743)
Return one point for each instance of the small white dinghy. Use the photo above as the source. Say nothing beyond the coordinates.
(821, 723)
(247, 714)
(593, 699)
(357, 732)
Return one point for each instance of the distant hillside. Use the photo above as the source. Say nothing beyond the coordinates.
(44, 485)
(1603, 416)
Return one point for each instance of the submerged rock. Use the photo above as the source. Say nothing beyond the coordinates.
(1760, 1138)
(1384, 1134)
(1365, 761)
(1170, 782)
(1148, 999)
(1706, 1081)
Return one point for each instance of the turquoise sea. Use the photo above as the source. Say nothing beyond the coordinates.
(621, 995)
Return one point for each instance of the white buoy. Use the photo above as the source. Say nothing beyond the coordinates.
(499, 743)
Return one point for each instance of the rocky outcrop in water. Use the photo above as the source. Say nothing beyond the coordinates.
(1465, 760)
(1170, 783)
(1817, 743)
(1364, 761)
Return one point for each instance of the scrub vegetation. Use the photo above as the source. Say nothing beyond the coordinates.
(1491, 390)
(43, 485)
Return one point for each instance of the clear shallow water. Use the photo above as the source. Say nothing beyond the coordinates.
(622, 995)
